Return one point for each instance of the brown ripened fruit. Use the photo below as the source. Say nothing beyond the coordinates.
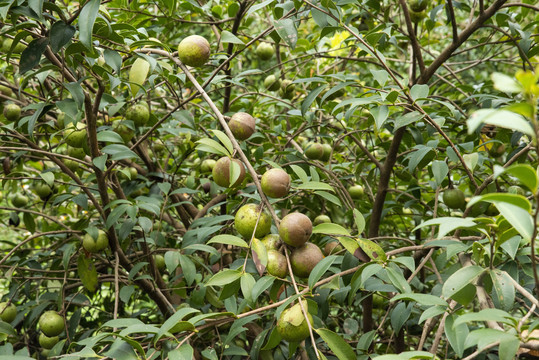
(314, 151)
(454, 198)
(12, 112)
(194, 50)
(245, 221)
(7, 312)
(304, 258)
(332, 247)
(292, 325)
(271, 241)
(295, 229)
(51, 323)
(275, 183)
(277, 265)
(221, 172)
(242, 125)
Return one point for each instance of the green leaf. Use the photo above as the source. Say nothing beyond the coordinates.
(320, 269)
(419, 91)
(523, 172)
(87, 272)
(119, 152)
(315, 185)
(61, 34)
(172, 321)
(359, 220)
(224, 277)
(87, 18)
(228, 37)
(485, 315)
(447, 224)
(188, 269)
(223, 138)
(504, 290)
(337, 344)
(287, 31)
(508, 348)
(185, 352)
(247, 283)
(502, 118)
(109, 136)
(373, 250)
(229, 240)
(521, 220)
(456, 335)
(309, 99)
(407, 355)
(460, 278)
(496, 198)
(397, 279)
(329, 197)
(440, 170)
(31, 56)
(422, 299)
(407, 119)
(380, 115)
(212, 146)
(260, 255)
(330, 229)
(351, 245)
(505, 83)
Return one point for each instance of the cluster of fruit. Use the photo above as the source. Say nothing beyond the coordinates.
(50, 322)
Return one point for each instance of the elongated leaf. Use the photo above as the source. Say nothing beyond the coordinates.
(87, 18)
(419, 91)
(229, 240)
(224, 277)
(260, 255)
(31, 56)
(423, 299)
(359, 220)
(224, 140)
(502, 118)
(330, 229)
(372, 249)
(456, 335)
(337, 344)
(228, 37)
(447, 224)
(287, 31)
(211, 146)
(61, 34)
(496, 198)
(320, 269)
(504, 289)
(315, 185)
(459, 279)
(309, 99)
(407, 355)
(87, 272)
(484, 315)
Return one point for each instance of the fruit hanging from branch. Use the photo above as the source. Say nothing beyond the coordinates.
(194, 51)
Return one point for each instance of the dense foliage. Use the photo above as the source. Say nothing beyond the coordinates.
(411, 126)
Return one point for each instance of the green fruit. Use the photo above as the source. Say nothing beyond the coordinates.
(515, 189)
(492, 210)
(60, 120)
(245, 221)
(295, 229)
(271, 241)
(242, 125)
(378, 301)
(125, 132)
(272, 83)
(48, 342)
(139, 114)
(277, 265)
(43, 190)
(77, 153)
(454, 198)
(159, 262)
(207, 165)
(327, 152)
(304, 258)
(194, 50)
(497, 150)
(94, 245)
(418, 5)
(292, 325)
(332, 247)
(479, 208)
(321, 219)
(417, 16)
(138, 74)
(221, 172)
(75, 135)
(8, 312)
(6, 91)
(275, 183)
(12, 112)
(71, 164)
(287, 89)
(356, 191)
(51, 323)
(314, 151)
(265, 51)
(19, 200)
